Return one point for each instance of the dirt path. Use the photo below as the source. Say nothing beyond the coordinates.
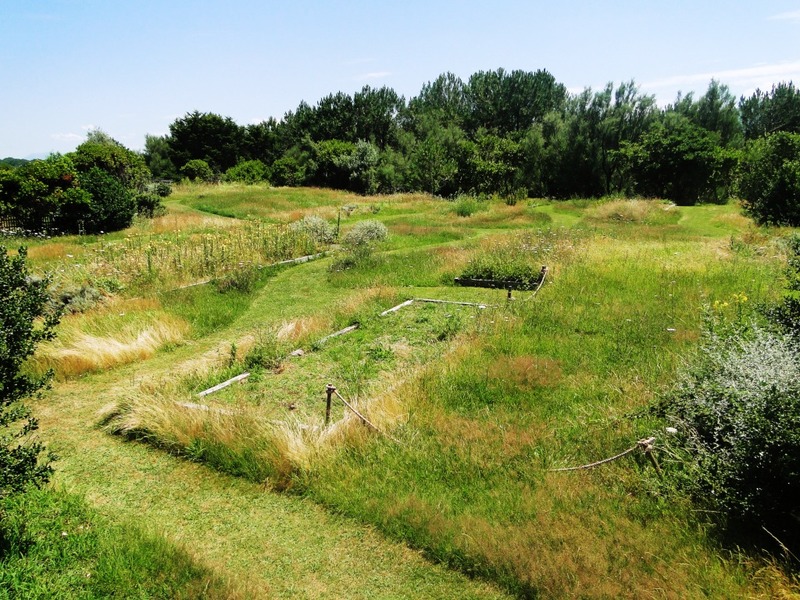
(279, 546)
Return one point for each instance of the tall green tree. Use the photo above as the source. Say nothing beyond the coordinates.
(441, 102)
(434, 158)
(769, 179)
(334, 118)
(25, 321)
(679, 161)
(262, 141)
(206, 136)
(767, 112)
(157, 157)
(504, 102)
(714, 111)
(376, 115)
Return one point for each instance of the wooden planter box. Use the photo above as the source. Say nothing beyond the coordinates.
(502, 284)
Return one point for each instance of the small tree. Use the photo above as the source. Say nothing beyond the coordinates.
(24, 322)
(113, 205)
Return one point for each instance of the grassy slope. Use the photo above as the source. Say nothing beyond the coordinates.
(277, 546)
(545, 383)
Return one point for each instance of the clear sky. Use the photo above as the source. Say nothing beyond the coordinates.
(131, 67)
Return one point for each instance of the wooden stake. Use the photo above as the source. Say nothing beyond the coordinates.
(329, 389)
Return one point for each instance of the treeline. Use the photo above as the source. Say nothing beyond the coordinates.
(511, 133)
(99, 187)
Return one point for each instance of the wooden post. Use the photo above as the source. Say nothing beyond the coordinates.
(329, 389)
(647, 447)
(509, 294)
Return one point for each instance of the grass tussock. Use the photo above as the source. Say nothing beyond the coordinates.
(114, 342)
(650, 212)
(241, 439)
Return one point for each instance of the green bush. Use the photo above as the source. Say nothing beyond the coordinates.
(359, 243)
(786, 312)
(160, 188)
(149, 205)
(249, 172)
(769, 179)
(25, 320)
(113, 205)
(197, 170)
(737, 411)
(268, 353)
(465, 206)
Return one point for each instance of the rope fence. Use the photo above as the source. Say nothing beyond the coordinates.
(646, 446)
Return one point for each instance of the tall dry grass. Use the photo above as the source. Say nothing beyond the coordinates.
(636, 210)
(90, 343)
(241, 439)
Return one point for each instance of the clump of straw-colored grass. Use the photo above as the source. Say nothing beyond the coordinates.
(242, 439)
(76, 352)
(633, 210)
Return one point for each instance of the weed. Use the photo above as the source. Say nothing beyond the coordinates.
(267, 353)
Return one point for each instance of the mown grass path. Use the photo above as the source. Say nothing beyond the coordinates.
(272, 545)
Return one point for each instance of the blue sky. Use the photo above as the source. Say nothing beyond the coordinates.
(133, 67)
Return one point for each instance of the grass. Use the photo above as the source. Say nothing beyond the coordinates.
(118, 333)
(553, 384)
(54, 546)
(483, 407)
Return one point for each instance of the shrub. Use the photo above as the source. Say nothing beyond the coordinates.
(465, 206)
(112, 207)
(359, 243)
(737, 407)
(149, 205)
(249, 172)
(786, 313)
(160, 188)
(197, 170)
(24, 322)
(365, 234)
(267, 353)
(317, 228)
(75, 299)
(769, 179)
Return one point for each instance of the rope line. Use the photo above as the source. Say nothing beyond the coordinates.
(545, 271)
(646, 445)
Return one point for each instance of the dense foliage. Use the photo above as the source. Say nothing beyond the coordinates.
(769, 181)
(737, 412)
(739, 408)
(98, 187)
(24, 322)
(511, 133)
